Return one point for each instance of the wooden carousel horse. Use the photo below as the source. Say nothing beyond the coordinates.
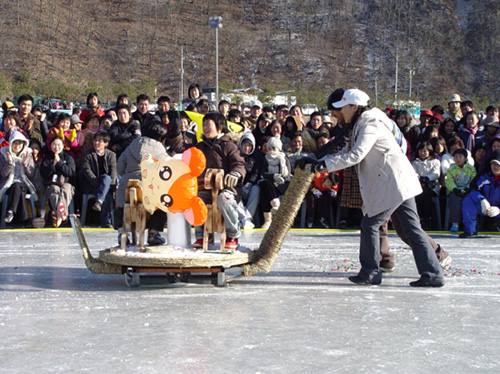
(134, 215)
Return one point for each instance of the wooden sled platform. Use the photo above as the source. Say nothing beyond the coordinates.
(180, 264)
(176, 263)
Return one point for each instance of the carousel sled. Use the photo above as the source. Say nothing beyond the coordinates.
(177, 264)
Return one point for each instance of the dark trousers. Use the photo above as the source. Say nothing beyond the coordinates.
(322, 205)
(156, 221)
(369, 256)
(387, 258)
(268, 192)
(425, 206)
(17, 201)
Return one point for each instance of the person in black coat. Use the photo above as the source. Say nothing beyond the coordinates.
(123, 131)
(255, 166)
(142, 114)
(98, 176)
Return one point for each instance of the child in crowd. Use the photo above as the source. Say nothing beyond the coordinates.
(428, 170)
(447, 159)
(438, 146)
(58, 171)
(16, 169)
(221, 153)
(458, 179)
(319, 198)
(483, 199)
(98, 176)
(277, 176)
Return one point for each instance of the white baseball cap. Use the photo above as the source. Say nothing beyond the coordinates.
(353, 97)
(256, 103)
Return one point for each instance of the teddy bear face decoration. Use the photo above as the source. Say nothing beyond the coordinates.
(170, 185)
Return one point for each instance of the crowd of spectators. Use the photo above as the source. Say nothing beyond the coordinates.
(56, 157)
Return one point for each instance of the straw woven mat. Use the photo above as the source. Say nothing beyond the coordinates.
(168, 256)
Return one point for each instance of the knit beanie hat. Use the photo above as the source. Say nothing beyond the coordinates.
(274, 142)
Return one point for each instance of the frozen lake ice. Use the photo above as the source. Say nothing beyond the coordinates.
(302, 317)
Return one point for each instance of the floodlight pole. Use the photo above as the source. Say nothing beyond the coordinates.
(216, 23)
(412, 73)
(181, 91)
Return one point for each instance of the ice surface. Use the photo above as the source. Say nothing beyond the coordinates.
(302, 317)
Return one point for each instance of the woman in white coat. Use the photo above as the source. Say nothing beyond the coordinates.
(388, 186)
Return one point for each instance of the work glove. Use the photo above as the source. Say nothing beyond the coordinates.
(278, 179)
(316, 166)
(485, 206)
(231, 179)
(493, 211)
(60, 133)
(317, 193)
(72, 135)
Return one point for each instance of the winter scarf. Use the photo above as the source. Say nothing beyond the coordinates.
(277, 163)
(471, 142)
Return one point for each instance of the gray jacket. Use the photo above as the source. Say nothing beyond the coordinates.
(129, 163)
(386, 177)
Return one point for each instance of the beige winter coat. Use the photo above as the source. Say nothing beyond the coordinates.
(386, 177)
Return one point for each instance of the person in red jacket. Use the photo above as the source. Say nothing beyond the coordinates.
(320, 197)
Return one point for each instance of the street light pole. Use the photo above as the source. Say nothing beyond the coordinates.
(396, 80)
(216, 23)
(412, 73)
(181, 91)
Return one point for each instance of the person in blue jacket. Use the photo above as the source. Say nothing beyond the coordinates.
(484, 199)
